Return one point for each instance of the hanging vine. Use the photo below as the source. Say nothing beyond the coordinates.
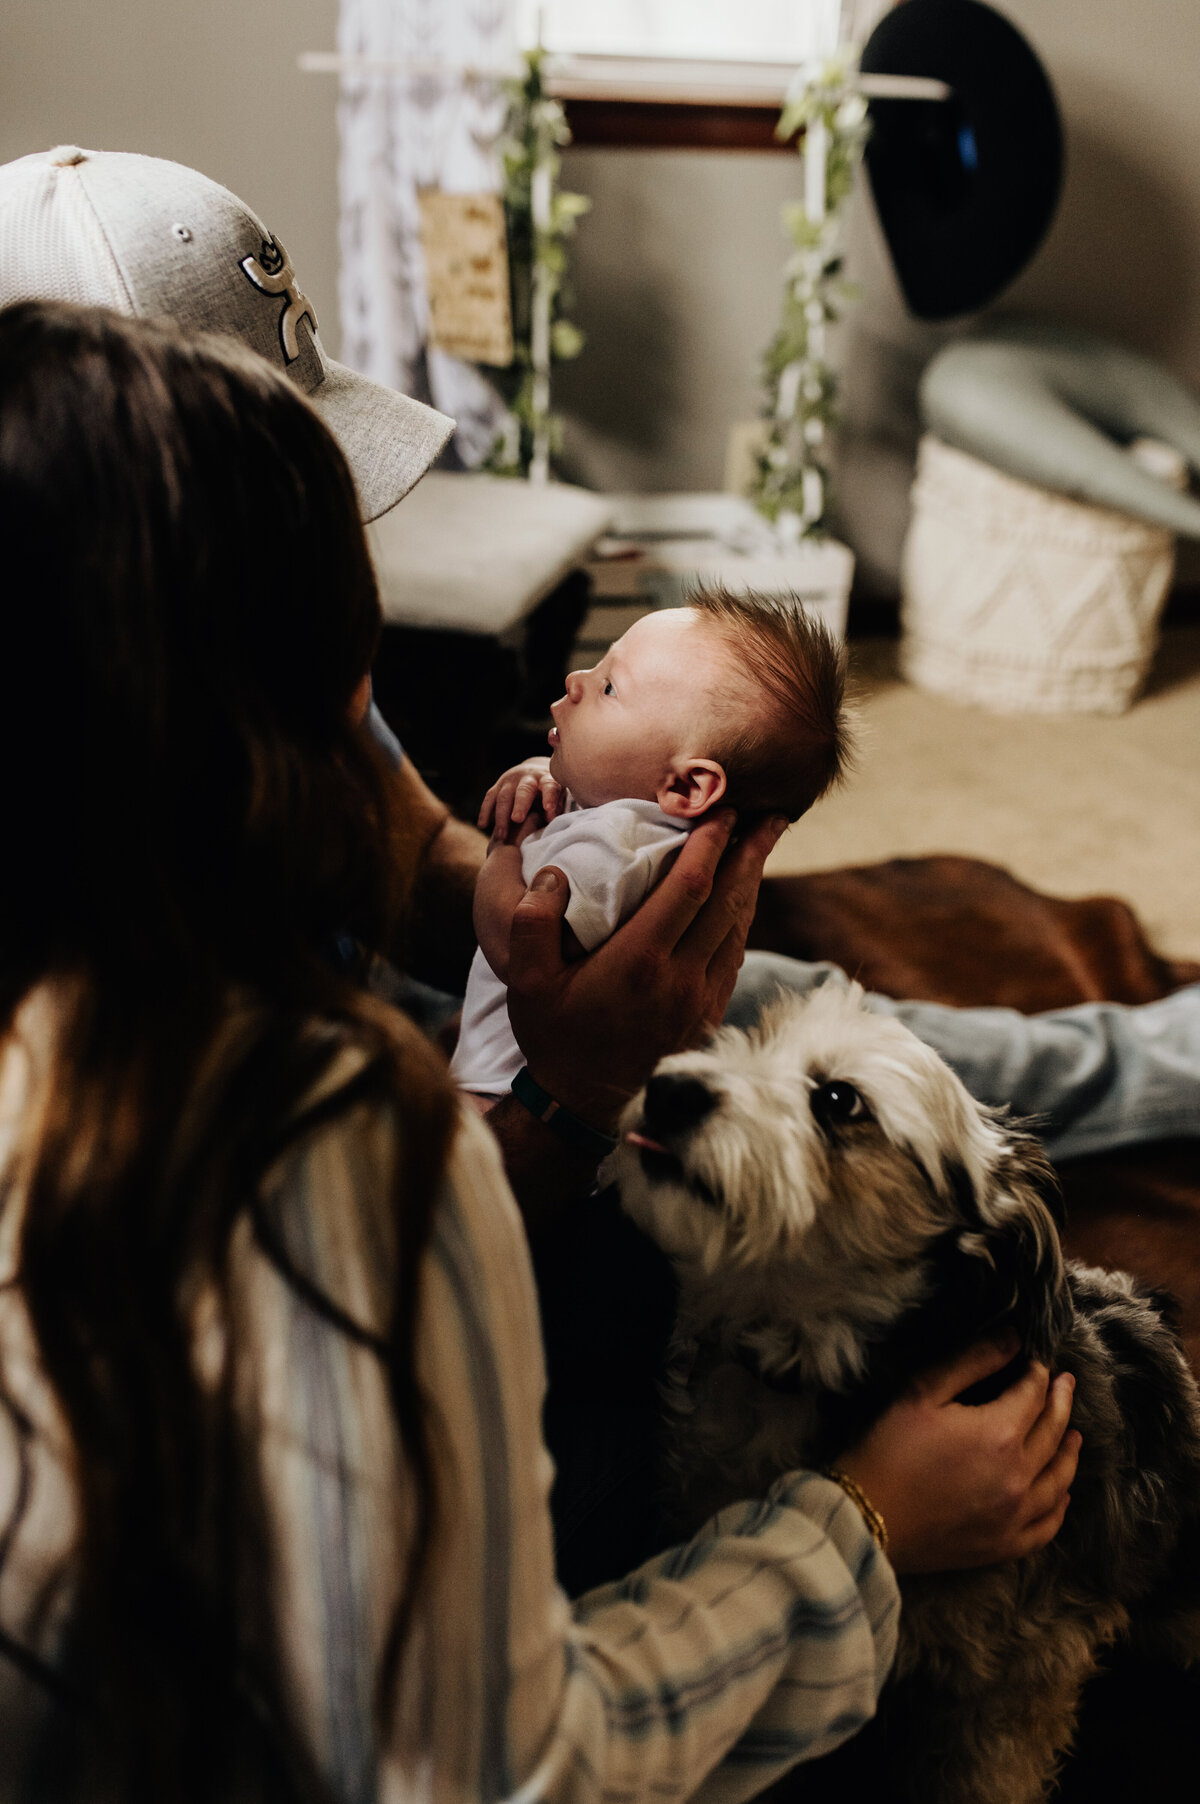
(791, 480)
(540, 220)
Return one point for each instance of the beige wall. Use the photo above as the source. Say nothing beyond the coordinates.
(678, 271)
(678, 266)
(212, 83)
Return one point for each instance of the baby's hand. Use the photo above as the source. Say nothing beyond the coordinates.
(512, 796)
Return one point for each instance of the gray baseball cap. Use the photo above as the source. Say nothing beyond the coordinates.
(151, 238)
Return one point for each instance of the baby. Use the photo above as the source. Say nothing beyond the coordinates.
(733, 700)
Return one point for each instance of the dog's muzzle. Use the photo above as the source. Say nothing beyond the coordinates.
(672, 1106)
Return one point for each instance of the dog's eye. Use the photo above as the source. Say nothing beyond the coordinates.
(837, 1101)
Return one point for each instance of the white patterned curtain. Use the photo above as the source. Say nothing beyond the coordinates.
(401, 131)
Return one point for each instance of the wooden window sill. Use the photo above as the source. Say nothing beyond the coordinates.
(673, 125)
(644, 104)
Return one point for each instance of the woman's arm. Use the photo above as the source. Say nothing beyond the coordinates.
(706, 1673)
(764, 1641)
(778, 1622)
(771, 1634)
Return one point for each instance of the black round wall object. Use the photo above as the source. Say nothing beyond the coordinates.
(965, 188)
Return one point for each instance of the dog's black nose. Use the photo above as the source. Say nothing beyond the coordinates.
(676, 1103)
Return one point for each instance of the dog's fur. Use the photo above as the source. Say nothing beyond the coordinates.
(842, 1215)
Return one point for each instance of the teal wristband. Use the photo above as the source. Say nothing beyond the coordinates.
(560, 1121)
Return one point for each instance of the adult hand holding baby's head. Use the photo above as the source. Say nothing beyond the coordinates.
(592, 1030)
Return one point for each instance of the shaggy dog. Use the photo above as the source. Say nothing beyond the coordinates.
(842, 1215)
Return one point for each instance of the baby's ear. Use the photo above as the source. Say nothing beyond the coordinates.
(691, 787)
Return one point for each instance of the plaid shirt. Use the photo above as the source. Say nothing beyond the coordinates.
(706, 1673)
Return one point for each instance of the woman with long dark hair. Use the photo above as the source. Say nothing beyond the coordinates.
(273, 1516)
(191, 823)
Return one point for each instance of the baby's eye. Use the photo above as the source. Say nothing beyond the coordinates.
(608, 688)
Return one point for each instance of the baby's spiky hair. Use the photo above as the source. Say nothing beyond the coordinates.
(779, 757)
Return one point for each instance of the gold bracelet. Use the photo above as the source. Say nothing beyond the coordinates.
(876, 1525)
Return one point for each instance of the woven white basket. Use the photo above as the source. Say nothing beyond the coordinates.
(1024, 601)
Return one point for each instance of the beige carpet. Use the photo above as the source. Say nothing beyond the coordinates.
(1077, 806)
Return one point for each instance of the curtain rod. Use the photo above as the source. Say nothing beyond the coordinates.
(573, 69)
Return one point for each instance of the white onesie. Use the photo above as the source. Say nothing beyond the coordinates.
(611, 856)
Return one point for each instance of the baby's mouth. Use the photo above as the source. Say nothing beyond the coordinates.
(552, 737)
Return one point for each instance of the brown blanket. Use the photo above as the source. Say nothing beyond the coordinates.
(959, 931)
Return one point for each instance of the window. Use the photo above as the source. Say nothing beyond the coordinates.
(721, 31)
(699, 74)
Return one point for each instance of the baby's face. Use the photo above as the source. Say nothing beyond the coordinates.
(647, 705)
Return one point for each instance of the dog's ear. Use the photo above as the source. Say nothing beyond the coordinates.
(997, 1265)
(1006, 1254)
(1021, 1164)
(1165, 1304)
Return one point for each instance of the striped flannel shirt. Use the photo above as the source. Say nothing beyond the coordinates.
(704, 1674)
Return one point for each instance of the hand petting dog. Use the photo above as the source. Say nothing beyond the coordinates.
(961, 1485)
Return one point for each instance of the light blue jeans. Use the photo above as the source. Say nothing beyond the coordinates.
(1093, 1077)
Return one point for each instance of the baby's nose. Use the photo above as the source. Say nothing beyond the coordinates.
(575, 684)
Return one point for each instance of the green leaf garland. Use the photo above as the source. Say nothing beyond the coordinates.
(791, 479)
(540, 218)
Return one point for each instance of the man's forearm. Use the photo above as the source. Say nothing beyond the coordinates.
(443, 857)
(441, 934)
(547, 1175)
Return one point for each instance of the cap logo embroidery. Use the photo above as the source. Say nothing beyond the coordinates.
(272, 272)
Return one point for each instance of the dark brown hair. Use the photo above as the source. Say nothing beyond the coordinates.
(791, 739)
(188, 817)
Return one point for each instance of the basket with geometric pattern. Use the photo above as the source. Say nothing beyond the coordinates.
(1024, 601)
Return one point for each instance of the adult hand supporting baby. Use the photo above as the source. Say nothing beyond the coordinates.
(963, 1485)
(593, 1029)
